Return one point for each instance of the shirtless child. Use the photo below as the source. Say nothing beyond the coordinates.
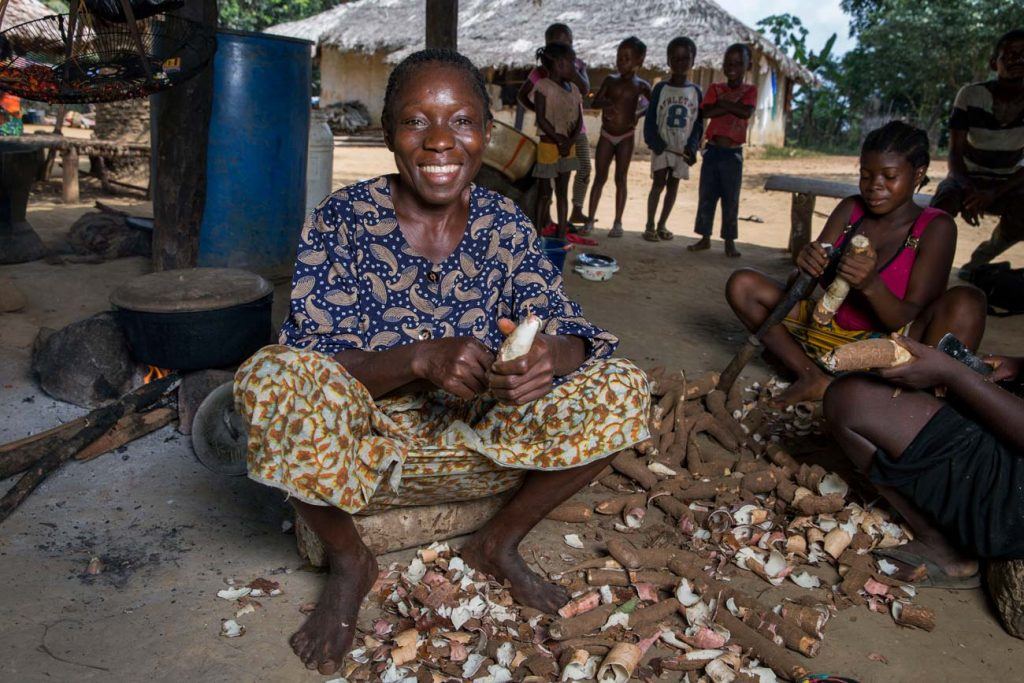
(619, 100)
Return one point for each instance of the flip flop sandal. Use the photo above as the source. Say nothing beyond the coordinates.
(584, 229)
(665, 234)
(550, 230)
(651, 235)
(936, 577)
(616, 231)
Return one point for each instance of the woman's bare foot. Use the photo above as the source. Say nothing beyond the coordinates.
(952, 563)
(326, 637)
(809, 387)
(505, 563)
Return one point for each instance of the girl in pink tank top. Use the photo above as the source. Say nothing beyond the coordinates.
(856, 313)
(898, 288)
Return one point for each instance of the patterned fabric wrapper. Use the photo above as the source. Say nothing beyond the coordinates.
(817, 340)
(316, 433)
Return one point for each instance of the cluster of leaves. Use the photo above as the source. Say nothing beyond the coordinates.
(911, 58)
(819, 116)
(256, 15)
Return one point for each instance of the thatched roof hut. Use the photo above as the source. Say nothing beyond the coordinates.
(20, 11)
(358, 43)
(396, 27)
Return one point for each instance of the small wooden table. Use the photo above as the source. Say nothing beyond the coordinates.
(805, 192)
(70, 149)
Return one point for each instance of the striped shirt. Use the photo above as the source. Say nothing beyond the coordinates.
(995, 131)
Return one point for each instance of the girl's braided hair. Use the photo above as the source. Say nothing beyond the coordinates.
(552, 52)
(401, 74)
(900, 138)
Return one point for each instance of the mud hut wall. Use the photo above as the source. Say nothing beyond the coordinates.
(353, 75)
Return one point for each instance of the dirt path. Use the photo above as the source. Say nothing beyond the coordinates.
(173, 532)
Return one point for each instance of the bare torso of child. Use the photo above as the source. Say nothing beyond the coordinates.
(619, 114)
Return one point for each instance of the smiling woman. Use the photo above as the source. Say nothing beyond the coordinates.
(385, 389)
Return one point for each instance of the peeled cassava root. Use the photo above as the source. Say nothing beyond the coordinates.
(867, 354)
(520, 340)
(837, 292)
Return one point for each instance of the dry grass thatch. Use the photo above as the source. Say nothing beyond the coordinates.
(507, 32)
(20, 11)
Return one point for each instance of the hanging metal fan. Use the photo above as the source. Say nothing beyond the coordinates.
(82, 57)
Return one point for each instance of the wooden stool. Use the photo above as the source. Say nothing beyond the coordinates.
(399, 528)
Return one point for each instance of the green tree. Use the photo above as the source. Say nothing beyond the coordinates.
(256, 15)
(819, 110)
(912, 56)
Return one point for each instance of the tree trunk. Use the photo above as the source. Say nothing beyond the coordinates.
(182, 118)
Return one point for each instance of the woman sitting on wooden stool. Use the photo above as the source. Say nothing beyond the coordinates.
(386, 390)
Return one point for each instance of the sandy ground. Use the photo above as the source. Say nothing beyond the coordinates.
(171, 532)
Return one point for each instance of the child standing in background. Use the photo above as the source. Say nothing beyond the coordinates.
(619, 101)
(729, 105)
(672, 129)
(560, 33)
(558, 103)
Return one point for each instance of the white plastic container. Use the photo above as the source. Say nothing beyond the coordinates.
(319, 159)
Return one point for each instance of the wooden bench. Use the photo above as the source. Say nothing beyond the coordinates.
(805, 192)
(71, 148)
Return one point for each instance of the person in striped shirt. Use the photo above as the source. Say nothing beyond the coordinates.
(986, 153)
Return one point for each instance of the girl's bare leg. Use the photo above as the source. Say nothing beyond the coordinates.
(602, 164)
(543, 203)
(623, 156)
(562, 203)
(752, 296)
(961, 310)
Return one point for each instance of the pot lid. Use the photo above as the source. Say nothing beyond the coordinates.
(190, 290)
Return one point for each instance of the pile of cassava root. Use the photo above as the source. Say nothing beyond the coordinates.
(670, 522)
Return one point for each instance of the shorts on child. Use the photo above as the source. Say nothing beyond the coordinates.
(550, 163)
(964, 478)
(679, 168)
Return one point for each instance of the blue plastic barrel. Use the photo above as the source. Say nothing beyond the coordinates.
(256, 163)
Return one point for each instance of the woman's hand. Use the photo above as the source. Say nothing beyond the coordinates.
(1004, 367)
(456, 364)
(526, 378)
(930, 367)
(859, 269)
(812, 259)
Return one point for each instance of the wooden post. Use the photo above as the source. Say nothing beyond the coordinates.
(443, 24)
(801, 215)
(69, 163)
(182, 120)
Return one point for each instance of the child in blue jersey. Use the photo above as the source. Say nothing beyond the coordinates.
(672, 129)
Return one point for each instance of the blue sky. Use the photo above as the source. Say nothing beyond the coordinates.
(821, 17)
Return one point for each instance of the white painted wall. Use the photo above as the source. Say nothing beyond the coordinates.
(355, 76)
(348, 76)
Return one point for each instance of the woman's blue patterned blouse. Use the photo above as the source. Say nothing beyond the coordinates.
(359, 285)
